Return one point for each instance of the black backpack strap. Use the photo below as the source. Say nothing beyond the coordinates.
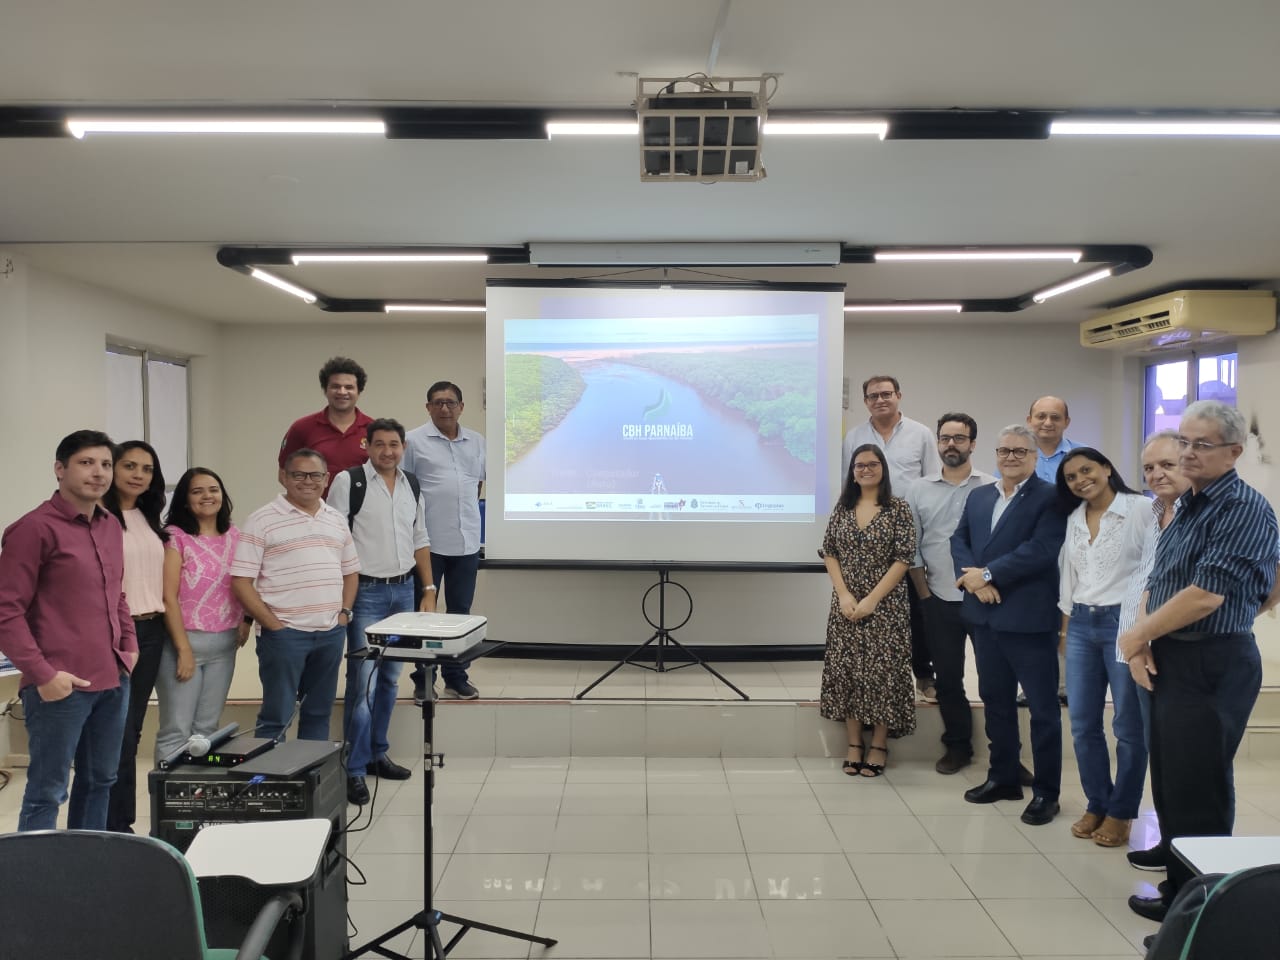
(357, 494)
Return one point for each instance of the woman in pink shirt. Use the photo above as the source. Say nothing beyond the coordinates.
(136, 497)
(206, 623)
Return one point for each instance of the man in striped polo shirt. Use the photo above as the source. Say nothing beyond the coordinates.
(295, 572)
(1194, 649)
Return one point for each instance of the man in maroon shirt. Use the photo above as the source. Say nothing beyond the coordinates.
(65, 624)
(338, 431)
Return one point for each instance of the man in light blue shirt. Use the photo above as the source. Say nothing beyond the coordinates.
(449, 462)
(1048, 420)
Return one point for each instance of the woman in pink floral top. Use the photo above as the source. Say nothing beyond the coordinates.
(206, 622)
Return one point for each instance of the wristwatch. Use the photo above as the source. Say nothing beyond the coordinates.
(986, 575)
(347, 612)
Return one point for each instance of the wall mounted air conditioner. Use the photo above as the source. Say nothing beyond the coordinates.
(1184, 318)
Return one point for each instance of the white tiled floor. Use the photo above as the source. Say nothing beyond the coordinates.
(684, 857)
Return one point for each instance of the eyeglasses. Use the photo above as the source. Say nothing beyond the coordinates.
(882, 395)
(956, 438)
(1201, 446)
(443, 404)
(1012, 453)
(866, 467)
(297, 476)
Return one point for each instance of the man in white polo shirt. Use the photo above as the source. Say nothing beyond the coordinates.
(295, 573)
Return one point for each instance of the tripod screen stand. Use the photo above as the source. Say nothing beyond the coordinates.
(662, 639)
(428, 919)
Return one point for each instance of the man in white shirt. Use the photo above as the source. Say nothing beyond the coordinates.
(937, 502)
(449, 462)
(910, 450)
(386, 519)
(295, 573)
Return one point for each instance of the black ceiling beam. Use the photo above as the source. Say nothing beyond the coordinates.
(970, 124)
(466, 123)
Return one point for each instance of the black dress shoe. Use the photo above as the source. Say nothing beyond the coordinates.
(357, 792)
(953, 761)
(1040, 810)
(387, 769)
(991, 791)
(1149, 908)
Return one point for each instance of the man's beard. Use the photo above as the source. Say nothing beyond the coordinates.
(955, 458)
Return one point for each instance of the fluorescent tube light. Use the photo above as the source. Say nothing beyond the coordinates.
(305, 295)
(890, 256)
(300, 258)
(902, 308)
(1078, 282)
(590, 128)
(433, 308)
(78, 127)
(826, 128)
(1165, 128)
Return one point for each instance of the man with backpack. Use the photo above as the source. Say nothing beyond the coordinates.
(383, 507)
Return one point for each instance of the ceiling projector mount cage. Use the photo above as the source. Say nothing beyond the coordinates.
(701, 129)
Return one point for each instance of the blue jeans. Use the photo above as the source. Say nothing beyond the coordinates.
(371, 685)
(1092, 667)
(298, 665)
(86, 728)
(459, 576)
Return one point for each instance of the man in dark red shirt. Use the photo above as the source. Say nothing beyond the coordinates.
(338, 431)
(65, 624)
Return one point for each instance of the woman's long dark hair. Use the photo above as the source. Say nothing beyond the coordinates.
(1067, 500)
(849, 496)
(180, 514)
(151, 500)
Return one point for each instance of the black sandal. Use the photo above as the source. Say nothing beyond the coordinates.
(876, 769)
(853, 768)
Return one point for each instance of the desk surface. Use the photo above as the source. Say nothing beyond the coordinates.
(278, 853)
(1226, 854)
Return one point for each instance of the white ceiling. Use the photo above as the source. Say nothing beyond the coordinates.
(146, 216)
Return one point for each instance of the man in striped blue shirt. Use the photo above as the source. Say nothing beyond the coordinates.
(1194, 649)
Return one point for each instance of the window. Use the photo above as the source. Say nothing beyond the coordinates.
(147, 400)
(1172, 384)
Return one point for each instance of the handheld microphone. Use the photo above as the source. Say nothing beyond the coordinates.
(199, 745)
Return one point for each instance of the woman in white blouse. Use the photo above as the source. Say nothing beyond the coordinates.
(1106, 533)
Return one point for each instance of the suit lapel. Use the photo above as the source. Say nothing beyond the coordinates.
(1013, 505)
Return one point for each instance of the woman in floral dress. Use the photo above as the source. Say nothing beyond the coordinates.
(866, 676)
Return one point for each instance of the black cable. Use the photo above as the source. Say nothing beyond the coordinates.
(5, 777)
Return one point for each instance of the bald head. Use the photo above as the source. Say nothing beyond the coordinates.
(1048, 420)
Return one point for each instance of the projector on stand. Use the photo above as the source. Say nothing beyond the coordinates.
(427, 635)
(703, 129)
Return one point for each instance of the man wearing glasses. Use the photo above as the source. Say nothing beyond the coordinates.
(911, 453)
(937, 501)
(1005, 551)
(1193, 645)
(449, 462)
(1048, 419)
(295, 572)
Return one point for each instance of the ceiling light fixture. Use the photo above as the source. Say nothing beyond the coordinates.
(826, 128)
(434, 308)
(902, 308)
(1042, 295)
(79, 127)
(593, 128)
(302, 294)
(892, 256)
(1165, 128)
(301, 258)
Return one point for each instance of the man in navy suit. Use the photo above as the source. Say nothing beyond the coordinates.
(1006, 557)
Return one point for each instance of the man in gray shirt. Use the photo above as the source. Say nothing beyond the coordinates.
(937, 501)
(909, 449)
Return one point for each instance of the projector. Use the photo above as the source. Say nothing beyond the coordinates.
(425, 636)
(704, 129)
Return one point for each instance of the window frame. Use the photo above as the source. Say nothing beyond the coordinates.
(147, 355)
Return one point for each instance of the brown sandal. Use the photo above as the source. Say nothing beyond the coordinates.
(1087, 826)
(1112, 833)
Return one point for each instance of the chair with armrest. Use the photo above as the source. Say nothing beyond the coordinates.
(111, 896)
